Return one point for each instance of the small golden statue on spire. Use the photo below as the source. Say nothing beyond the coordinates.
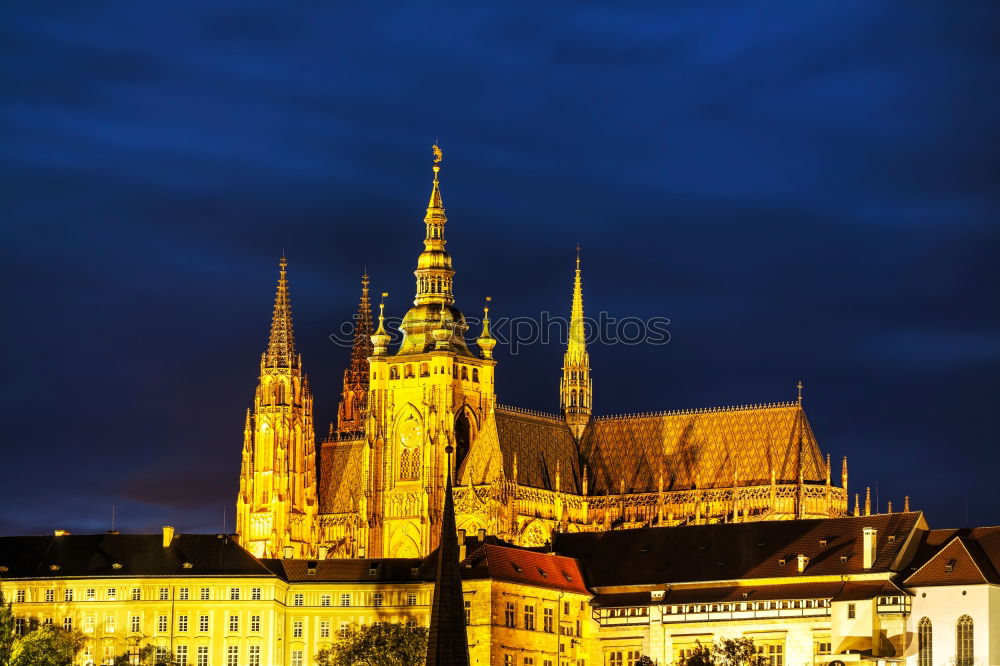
(438, 155)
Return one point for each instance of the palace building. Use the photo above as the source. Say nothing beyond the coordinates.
(520, 475)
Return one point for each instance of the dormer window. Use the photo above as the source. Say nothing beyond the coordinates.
(950, 566)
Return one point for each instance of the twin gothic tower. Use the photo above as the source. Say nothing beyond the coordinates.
(519, 475)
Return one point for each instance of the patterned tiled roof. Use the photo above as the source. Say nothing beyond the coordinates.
(540, 443)
(339, 478)
(767, 549)
(969, 557)
(708, 448)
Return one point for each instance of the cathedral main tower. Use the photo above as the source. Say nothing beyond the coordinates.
(431, 393)
(276, 507)
(575, 391)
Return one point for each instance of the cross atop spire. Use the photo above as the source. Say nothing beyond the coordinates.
(281, 345)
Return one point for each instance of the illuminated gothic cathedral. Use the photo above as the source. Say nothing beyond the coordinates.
(519, 475)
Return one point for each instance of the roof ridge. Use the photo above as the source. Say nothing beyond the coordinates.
(699, 410)
(528, 412)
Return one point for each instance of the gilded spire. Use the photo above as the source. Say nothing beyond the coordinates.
(486, 341)
(281, 345)
(576, 390)
(435, 299)
(380, 338)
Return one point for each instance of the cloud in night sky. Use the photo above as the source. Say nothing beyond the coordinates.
(806, 191)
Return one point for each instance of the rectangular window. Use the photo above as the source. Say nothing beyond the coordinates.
(234, 594)
(109, 624)
(181, 654)
(255, 595)
(508, 660)
(19, 626)
(324, 600)
(112, 593)
(344, 629)
(296, 657)
(298, 599)
(88, 624)
(183, 594)
(134, 624)
(411, 599)
(324, 629)
(161, 654)
(345, 600)
(164, 594)
(377, 599)
(772, 654)
(851, 611)
(68, 623)
(47, 622)
(202, 655)
(529, 661)
(20, 596)
(203, 623)
(529, 618)
(50, 595)
(508, 615)
(206, 594)
(68, 595)
(161, 623)
(136, 594)
(233, 655)
(615, 659)
(234, 623)
(91, 594)
(255, 624)
(254, 655)
(547, 621)
(297, 629)
(468, 612)
(182, 623)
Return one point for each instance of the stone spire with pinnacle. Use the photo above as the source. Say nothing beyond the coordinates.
(276, 506)
(354, 396)
(281, 345)
(447, 641)
(576, 392)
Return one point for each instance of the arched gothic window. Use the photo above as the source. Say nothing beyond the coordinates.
(393, 372)
(963, 642)
(409, 464)
(924, 643)
(465, 373)
(475, 375)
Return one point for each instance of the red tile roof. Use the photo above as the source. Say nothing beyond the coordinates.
(526, 567)
(968, 557)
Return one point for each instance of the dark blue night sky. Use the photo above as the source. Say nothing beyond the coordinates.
(807, 190)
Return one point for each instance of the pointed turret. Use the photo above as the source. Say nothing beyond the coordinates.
(575, 388)
(281, 345)
(447, 642)
(354, 396)
(485, 340)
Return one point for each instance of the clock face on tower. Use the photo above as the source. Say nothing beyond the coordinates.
(409, 433)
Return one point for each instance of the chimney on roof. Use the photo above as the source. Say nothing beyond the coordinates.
(802, 562)
(869, 546)
(287, 552)
(461, 545)
(168, 535)
(481, 534)
(323, 552)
